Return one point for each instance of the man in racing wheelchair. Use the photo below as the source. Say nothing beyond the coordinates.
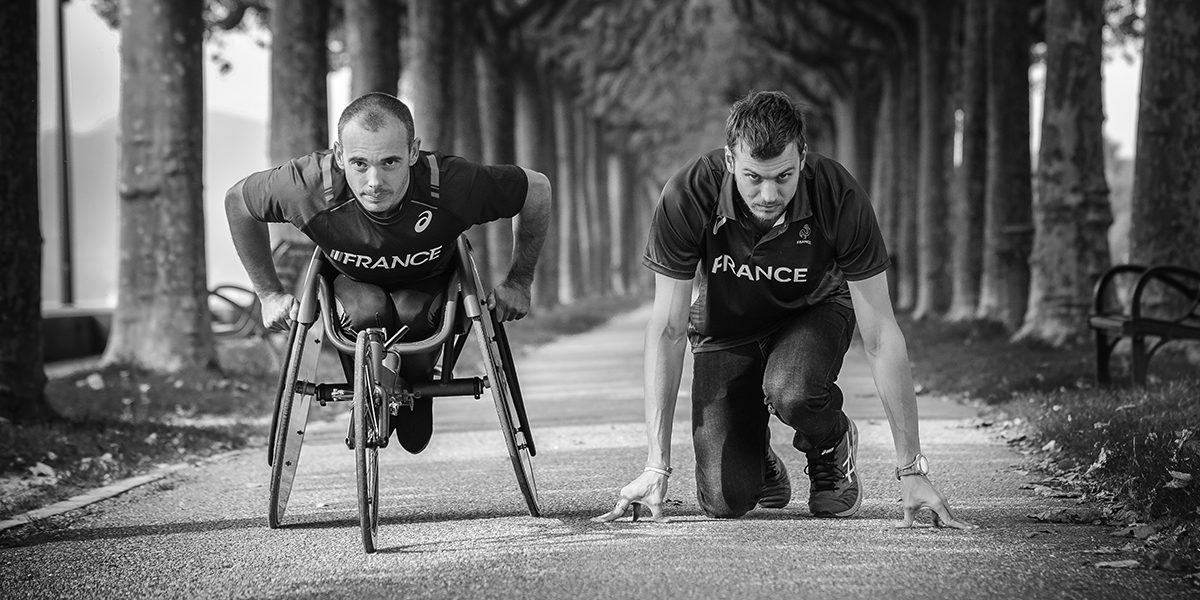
(387, 216)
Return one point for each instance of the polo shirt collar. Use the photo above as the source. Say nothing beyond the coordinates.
(799, 208)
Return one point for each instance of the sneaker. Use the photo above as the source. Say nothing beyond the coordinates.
(836, 490)
(414, 426)
(777, 489)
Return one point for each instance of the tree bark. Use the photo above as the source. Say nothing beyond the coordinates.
(535, 148)
(1008, 229)
(616, 196)
(884, 188)
(1166, 187)
(1071, 214)
(968, 218)
(496, 116)
(429, 86)
(908, 132)
(373, 43)
(582, 271)
(22, 373)
(161, 320)
(299, 110)
(937, 126)
(566, 198)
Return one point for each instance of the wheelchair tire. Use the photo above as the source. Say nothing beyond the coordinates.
(368, 402)
(291, 416)
(501, 385)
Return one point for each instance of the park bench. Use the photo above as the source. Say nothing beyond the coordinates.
(1159, 302)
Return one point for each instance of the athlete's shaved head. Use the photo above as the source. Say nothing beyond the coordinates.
(766, 122)
(372, 111)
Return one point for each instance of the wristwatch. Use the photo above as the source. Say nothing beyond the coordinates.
(918, 466)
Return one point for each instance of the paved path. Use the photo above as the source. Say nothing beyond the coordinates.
(454, 525)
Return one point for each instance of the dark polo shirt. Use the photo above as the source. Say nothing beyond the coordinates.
(311, 193)
(749, 288)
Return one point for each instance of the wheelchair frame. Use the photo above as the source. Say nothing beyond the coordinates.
(373, 406)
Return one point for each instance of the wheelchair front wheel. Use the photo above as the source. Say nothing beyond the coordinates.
(369, 403)
(502, 384)
(290, 419)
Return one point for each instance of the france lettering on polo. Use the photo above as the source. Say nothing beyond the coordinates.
(414, 244)
(749, 286)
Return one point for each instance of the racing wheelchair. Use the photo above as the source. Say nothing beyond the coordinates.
(375, 403)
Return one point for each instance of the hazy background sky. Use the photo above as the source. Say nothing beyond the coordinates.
(235, 142)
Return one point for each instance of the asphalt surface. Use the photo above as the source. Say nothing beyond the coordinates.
(453, 524)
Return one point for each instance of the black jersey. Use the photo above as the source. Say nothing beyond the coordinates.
(749, 285)
(417, 242)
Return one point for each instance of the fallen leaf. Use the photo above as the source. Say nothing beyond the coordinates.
(1050, 446)
(1179, 480)
(42, 470)
(95, 381)
(1118, 564)
(1099, 463)
(1168, 561)
(1070, 514)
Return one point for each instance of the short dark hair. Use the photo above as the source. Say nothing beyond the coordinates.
(766, 122)
(371, 111)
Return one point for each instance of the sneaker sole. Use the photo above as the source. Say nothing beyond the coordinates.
(849, 512)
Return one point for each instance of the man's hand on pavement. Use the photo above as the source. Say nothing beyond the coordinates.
(279, 310)
(918, 493)
(649, 489)
(509, 301)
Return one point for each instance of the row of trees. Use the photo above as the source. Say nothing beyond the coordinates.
(608, 98)
(997, 238)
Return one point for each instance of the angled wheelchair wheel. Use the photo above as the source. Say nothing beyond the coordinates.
(505, 392)
(290, 418)
(369, 404)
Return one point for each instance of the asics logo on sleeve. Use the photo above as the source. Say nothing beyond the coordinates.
(782, 274)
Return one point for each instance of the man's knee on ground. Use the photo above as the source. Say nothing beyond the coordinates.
(726, 504)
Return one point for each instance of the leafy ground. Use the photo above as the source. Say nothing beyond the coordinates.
(1131, 455)
(124, 422)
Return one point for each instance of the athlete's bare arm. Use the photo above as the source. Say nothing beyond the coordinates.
(510, 300)
(252, 239)
(666, 340)
(888, 356)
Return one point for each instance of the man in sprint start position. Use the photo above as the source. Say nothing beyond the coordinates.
(387, 216)
(789, 256)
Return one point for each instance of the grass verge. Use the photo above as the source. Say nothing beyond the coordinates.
(123, 422)
(1137, 448)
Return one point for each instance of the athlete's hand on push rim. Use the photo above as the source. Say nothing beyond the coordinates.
(509, 301)
(649, 489)
(279, 310)
(918, 493)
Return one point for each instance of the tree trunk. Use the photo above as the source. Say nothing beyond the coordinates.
(496, 116)
(1071, 213)
(1166, 187)
(467, 140)
(1008, 229)
(968, 218)
(373, 43)
(616, 196)
(535, 148)
(908, 126)
(884, 188)
(582, 270)
(429, 88)
(937, 126)
(22, 375)
(162, 321)
(299, 110)
(566, 198)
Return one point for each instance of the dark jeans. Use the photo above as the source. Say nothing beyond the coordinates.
(419, 306)
(790, 374)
